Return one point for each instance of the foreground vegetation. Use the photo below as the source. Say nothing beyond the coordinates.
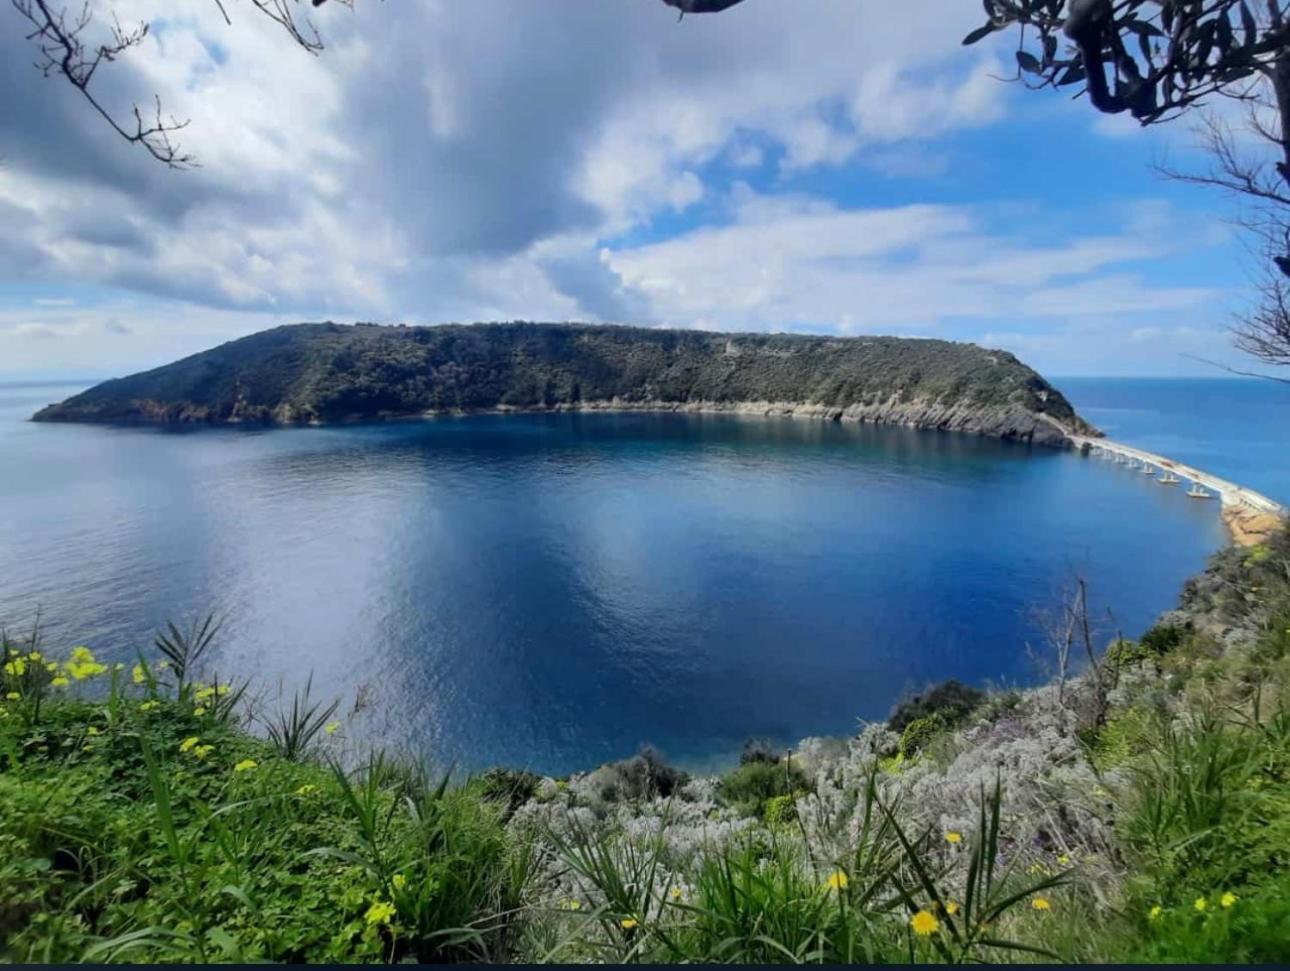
(141, 821)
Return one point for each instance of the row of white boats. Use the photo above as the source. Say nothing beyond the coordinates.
(1167, 476)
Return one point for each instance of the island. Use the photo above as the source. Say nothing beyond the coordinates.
(325, 372)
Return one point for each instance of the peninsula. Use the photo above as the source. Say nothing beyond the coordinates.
(326, 372)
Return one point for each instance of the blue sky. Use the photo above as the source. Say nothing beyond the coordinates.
(822, 166)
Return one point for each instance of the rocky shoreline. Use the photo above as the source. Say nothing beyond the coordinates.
(1011, 424)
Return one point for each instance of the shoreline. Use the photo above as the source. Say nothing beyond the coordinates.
(1005, 423)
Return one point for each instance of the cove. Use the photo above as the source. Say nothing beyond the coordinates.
(552, 591)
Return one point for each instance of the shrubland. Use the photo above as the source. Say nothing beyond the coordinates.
(1137, 813)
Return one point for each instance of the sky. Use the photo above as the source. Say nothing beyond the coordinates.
(822, 166)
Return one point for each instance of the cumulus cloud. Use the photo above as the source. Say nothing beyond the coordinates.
(500, 159)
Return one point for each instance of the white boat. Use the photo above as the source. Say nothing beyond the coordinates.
(1197, 491)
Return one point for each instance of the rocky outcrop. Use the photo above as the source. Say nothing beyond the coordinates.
(319, 373)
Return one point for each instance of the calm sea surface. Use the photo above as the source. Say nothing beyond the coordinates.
(554, 591)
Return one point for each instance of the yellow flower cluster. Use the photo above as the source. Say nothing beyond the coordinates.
(381, 912)
(954, 837)
(192, 744)
(307, 789)
(837, 880)
(629, 923)
(570, 905)
(16, 668)
(83, 665)
(245, 765)
(1041, 904)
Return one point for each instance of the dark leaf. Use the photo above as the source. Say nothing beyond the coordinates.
(978, 34)
(1072, 75)
(1028, 62)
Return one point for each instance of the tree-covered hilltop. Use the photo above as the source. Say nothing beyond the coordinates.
(332, 372)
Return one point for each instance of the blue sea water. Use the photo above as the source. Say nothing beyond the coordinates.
(553, 591)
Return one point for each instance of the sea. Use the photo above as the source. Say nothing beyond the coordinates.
(555, 591)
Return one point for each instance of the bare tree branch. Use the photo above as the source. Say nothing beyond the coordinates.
(65, 51)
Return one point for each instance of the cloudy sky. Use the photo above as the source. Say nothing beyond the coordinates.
(827, 166)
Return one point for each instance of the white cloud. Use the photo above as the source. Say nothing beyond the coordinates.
(467, 161)
(795, 263)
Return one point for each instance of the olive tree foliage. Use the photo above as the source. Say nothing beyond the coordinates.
(75, 46)
(1160, 59)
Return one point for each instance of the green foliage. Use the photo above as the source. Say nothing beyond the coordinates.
(1123, 736)
(1162, 638)
(952, 701)
(1208, 828)
(780, 810)
(145, 827)
(509, 788)
(1161, 56)
(751, 786)
(329, 372)
(919, 732)
(294, 731)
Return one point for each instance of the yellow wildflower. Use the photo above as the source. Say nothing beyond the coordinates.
(306, 789)
(330, 727)
(203, 693)
(59, 681)
(399, 881)
(201, 751)
(91, 730)
(924, 923)
(1063, 860)
(150, 705)
(1228, 900)
(16, 668)
(837, 880)
(82, 665)
(12, 696)
(1201, 905)
(951, 908)
(35, 656)
(199, 711)
(381, 912)
(138, 675)
(570, 905)
(52, 667)
(1155, 912)
(245, 765)
(189, 743)
(628, 923)
(1041, 903)
(675, 893)
(954, 837)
